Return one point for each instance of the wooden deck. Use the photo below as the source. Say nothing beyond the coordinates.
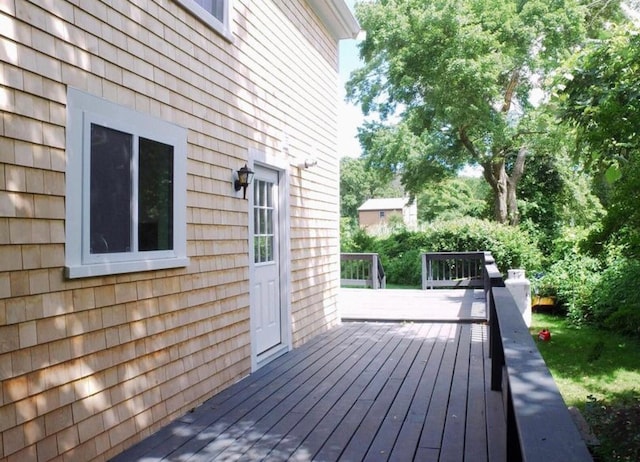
(362, 391)
(453, 305)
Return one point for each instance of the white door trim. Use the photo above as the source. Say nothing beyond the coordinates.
(261, 158)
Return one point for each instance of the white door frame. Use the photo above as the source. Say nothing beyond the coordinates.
(261, 158)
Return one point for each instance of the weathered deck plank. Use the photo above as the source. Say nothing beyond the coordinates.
(363, 391)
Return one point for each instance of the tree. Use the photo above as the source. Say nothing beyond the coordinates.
(600, 95)
(357, 184)
(453, 198)
(451, 81)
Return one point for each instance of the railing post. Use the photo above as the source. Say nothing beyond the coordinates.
(375, 284)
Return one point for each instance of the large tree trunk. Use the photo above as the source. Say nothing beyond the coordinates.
(505, 205)
(512, 186)
(496, 175)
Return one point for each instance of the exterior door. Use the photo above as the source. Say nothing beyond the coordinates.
(266, 304)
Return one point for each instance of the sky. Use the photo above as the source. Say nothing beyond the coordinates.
(349, 117)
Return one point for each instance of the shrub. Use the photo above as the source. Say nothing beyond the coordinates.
(615, 302)
(400, 252)
(510, 246)
(572, 280)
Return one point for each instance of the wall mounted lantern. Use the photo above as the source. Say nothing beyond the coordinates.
(308, 163)
(245, 176)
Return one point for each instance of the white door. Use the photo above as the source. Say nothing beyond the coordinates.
(266, 304)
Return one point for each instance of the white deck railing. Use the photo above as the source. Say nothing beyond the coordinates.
(362, 270)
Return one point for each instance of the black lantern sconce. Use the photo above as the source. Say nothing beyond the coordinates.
(245, 176)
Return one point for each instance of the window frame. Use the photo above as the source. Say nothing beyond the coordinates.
(221, 27)
(83, 110)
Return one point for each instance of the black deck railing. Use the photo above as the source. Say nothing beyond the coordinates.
(539, 426)
(362, 270)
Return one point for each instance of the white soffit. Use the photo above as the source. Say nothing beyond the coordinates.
(338, 18)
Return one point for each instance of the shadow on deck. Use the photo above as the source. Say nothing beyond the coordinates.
(362, 391)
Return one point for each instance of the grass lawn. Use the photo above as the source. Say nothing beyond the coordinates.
(599, 372)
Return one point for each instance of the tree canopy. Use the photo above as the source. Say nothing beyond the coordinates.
(452, 80)
(600, 95)
(357, 184)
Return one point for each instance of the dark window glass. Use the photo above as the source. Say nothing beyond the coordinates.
(215, 7)
(110, 197)
(155, 196)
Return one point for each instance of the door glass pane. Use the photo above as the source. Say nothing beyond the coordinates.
(268, 248)
(155, 196)
(269, 196)
(263, 214)
(263, 221)
(269, 221)
(110, 190)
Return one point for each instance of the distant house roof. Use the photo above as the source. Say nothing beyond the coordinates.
(396, 203)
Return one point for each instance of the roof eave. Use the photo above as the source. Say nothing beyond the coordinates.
(337, 16)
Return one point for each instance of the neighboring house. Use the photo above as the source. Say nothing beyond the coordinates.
(375, 214)
(135, 281)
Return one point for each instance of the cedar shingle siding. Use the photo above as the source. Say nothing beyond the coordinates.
(91, 365)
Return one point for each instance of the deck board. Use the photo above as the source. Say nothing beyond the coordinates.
(441, 305)
(362, 391)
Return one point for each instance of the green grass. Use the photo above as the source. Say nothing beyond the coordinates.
(597, 371)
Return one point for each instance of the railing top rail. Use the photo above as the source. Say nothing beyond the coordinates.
(477, 254)
(357, 255)
(545, 428)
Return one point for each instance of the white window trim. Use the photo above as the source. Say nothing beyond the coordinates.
(82, 110)
(223, 28)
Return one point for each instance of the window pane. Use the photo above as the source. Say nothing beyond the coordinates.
(269, 221)
(110, 196)
(155, 196)
(214, 7)
(268, 256)
(269, 194)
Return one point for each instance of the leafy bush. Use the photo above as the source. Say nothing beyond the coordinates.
(572, 280)
(511, 247)
(353, 238)
(614, 302)
(400, 253)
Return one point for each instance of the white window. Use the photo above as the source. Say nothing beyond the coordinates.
(126, 189)
(214, 13)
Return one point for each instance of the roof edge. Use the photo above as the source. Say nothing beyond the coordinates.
(337, 16)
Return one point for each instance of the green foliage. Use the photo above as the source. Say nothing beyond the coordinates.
(511, 247)
(555, 194)
(600, 95)
(572, 280)
(453, 198)
(598, 371)
(614, 301)
(359, 183)
(353, 238)
(453, 73)
(400, 252)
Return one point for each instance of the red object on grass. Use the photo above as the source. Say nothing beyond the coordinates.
(544, 335)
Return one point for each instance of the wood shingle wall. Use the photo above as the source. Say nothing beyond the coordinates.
(89, 366)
